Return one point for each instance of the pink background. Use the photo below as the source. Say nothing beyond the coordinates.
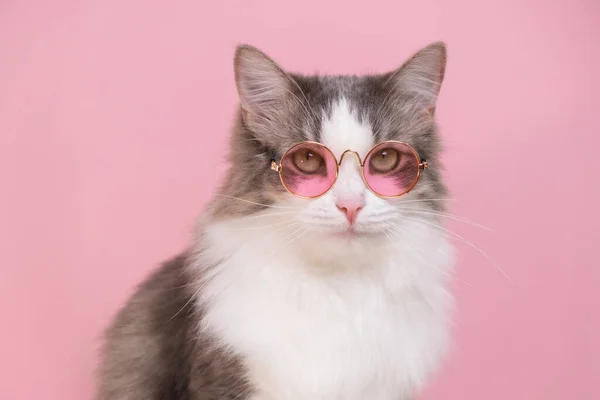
(114, 116)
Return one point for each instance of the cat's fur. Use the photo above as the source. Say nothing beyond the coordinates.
(275, 299)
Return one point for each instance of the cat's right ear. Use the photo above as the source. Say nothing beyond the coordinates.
(263, 87)
(419, 80)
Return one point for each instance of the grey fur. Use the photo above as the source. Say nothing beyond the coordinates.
(153, 349)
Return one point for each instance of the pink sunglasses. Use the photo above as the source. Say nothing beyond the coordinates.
(309, 169)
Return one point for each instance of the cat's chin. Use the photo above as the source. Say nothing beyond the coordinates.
(342, 249)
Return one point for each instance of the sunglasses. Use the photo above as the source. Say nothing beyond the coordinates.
(309, 169)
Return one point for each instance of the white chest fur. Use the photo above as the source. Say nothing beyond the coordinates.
(374, 329)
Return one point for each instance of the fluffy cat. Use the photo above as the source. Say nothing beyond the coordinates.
(342, 296)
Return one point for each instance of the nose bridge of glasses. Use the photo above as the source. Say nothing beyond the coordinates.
(350, 152)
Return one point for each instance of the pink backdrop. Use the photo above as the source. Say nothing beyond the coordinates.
(114, 117)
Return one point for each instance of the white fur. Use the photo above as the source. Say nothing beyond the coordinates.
(342, 131)
(319, 314)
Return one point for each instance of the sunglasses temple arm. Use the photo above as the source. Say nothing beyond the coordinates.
(274, 166)
(423, 164)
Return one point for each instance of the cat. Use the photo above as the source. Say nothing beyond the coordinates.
(327, 292)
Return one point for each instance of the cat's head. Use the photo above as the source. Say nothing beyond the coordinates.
(279, 109)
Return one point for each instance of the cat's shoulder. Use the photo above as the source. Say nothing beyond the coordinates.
(154, 345)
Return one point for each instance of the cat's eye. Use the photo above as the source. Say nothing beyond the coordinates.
(307, 160)
(309, 169)
(384, 160)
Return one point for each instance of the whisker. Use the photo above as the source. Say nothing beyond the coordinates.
(253, 202)
(210, 274)
(275, 247)
(258, 216)
(447, 274)
(167, 289)
(255, 228)
(387, 236)
(192, 297)
(423, 200)
(289, 225)
(302, 231)
(446, 215)
(464, 240)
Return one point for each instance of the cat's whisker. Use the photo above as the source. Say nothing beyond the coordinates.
(456, 236)
(423, 200)
(447, 274)
(293, 224)
(280, 244)
(387, 236)
(450, 275)
(275, 232)
(192, 297)
(273, 249)
(259, 216)
(180, 287)
(256, 228)
(289, 225)
(295, 236)
(298, 227)
(418, 211)
(253, 202)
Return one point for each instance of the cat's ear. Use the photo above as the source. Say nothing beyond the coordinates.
(420, 78)
(262, 85)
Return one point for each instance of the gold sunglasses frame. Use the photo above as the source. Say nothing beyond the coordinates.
(278, 167)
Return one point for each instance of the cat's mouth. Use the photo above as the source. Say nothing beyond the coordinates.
(353, 231)
(343, 232)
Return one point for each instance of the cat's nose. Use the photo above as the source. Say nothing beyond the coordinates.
(350, 207)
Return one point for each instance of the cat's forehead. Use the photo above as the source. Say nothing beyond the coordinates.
(344, 106)
(342, 129)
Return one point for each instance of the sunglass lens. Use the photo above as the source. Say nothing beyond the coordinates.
(391, 169)
(308, 170)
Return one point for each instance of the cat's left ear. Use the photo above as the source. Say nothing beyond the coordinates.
(265, 89)
(420, 79)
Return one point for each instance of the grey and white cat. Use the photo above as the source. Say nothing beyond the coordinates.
(281, 297)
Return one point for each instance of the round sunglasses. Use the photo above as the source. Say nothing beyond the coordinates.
(309, 169)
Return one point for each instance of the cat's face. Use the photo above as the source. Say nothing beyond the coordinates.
(280, 110)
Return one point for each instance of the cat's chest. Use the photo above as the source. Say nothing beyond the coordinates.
(307, 337)
(357, 354)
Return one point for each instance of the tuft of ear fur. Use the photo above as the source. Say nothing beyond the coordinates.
(420, 78)
(264, 88)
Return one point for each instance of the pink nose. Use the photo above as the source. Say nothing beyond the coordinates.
(350, 208)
